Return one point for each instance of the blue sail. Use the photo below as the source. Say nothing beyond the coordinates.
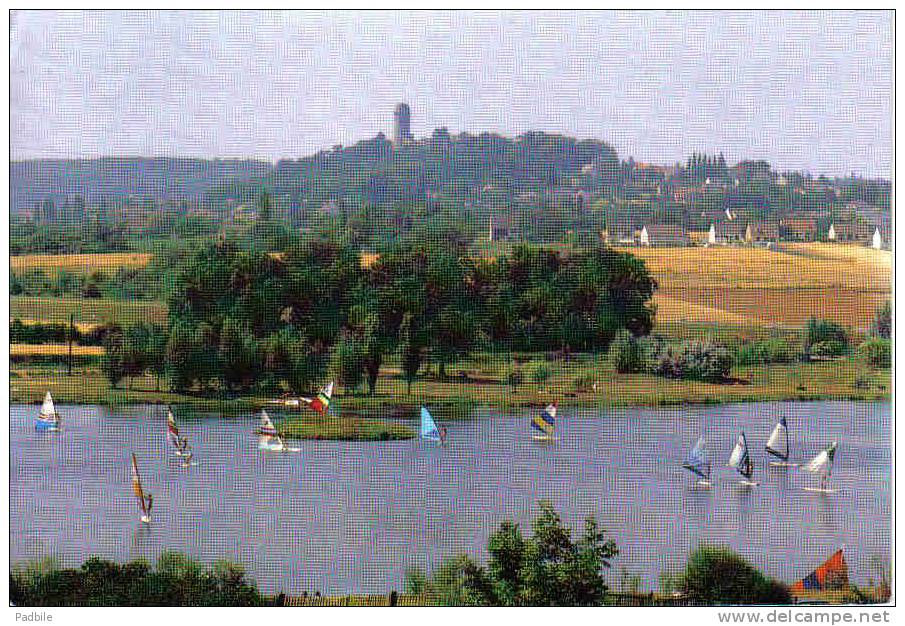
(429, 428)
(697, 462)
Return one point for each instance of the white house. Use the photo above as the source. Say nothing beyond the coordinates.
(877, 240)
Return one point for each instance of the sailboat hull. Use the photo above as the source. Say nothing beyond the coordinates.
(145, 519)
(782, 464)
(544, 438)
(703, 484)
(46, 426)
(747, 483)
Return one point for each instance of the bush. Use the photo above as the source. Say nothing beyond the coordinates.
(824, 331)
(706, 361)
(627, 354)
(766, 352)
(584, 383)
(882, 324)
(826, 349)
(540, 374)
(876, 353)
(716, 575)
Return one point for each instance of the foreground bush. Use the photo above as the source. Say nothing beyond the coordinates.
(548, 568)
(767, 352)
(716, 575)
(175, 581)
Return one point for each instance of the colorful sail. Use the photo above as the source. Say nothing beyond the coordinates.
(48, 419)
(180, 443)
(697, 462)
(822, 464)
(145, 500)
(740, 459)
(832, 575)
(429, 428)
(544, 424)
(321, 403)
(778, 443)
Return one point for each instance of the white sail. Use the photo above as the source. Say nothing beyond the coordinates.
(269, 438)
(697, 462)
(822, 464)
(740, 460)
(48, 410)
(778, 443)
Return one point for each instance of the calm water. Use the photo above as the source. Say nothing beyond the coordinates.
(352, 517)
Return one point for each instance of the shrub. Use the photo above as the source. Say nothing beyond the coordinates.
(540, 374)
(626, 353)
(876, 353)
(584, 382)
(824, 331)
(766, 352)
(716, 575)
(705, 361)
(829, 348)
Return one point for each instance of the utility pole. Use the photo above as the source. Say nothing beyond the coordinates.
(71, 333)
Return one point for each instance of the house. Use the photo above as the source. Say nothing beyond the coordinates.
(725, 232)
(798, 229)
(758, 232)
(881, 239)
(842, 231)
(668, 235)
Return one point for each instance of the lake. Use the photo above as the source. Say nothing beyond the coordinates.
(352, 517)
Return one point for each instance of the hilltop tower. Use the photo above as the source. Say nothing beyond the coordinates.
(402, 119)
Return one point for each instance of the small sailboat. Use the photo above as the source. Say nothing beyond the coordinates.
(778, 444)
(321, 403)
(48, 419)
(698, 464)
(180, 443)
(822, 466)
(145, 500)
(740, 460)
(429, 429)
(543, 425)
(269, 438)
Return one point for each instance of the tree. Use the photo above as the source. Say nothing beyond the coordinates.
(626, 353)
(410, 350)
(824, 338)
(548, 568)
(349, 361)
(182, 356)
(238, 355)
(112, 361)
(716, 575)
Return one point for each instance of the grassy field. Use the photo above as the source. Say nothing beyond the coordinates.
(584, 382)
(78, 263)
(86, 310)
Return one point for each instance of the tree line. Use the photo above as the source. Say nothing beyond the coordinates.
(243, 320)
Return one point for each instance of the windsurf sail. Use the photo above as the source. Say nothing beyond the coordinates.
(697, 462)
(321, 403)
(429, 428)
(832, 575)
(778, 443)
(269, 437)
(544, 424)
(180, 443)
(145, 500)
(740, 459)
(822, 464)
(48, 418)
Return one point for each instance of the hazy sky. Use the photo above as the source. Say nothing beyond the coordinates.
(803, 90)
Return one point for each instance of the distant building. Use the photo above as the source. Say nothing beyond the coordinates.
(799, 229)
(762, 232)
(881, 239)
(663, 235)
(725, 232)
(500, 229)
(402, 120)
(840, 231)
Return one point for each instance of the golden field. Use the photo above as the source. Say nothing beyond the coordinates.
(79, 263)
(86, 310)
(780, 287)
(53, 349)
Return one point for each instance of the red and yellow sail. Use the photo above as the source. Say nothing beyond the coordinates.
(321, 403)
(832, 575)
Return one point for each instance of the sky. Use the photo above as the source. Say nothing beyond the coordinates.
(804, 90)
